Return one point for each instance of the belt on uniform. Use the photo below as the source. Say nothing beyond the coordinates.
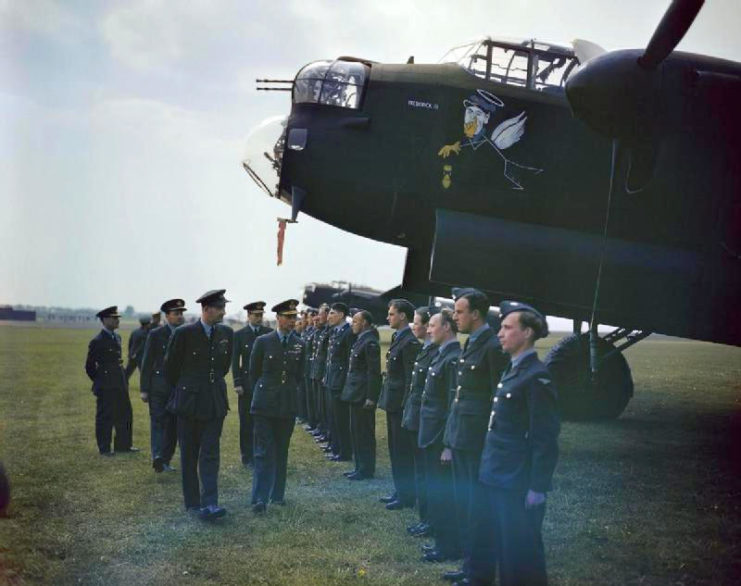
(461, 393)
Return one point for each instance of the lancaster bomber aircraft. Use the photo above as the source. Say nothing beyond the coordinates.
(600, 187)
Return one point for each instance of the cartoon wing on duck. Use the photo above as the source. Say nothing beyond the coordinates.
(509, 132)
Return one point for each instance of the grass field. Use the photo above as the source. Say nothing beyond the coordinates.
(652, 498)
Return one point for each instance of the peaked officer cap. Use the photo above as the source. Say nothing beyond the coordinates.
(339, 306)
(214, 298)
(255, 307)
(287, 307)
(172, 305)
(111, 311)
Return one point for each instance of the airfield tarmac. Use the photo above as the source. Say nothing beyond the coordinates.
(651, 498)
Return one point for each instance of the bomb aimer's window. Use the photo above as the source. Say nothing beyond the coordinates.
(332, 83)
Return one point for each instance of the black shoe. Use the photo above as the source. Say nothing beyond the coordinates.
(259, 507)
(334, 458)
(132, 450)
(454, 576)
(108, 454)
(158, 464)
(396, 506)
(349, 473)
(359, 476)
(425, 530)
(463, 582)
(279, 502)
(326, 449)
(167, 468)
(211, 512)
(427, 547)
(436, 557)
(309, 428)
(412, 529)
(387, 499)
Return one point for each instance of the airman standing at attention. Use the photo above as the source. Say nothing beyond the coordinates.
(301, 398)
(399, 368)
(362, 387)
(308, 339)
(318, 368)
(197, 360)
(410, 416)
(275, 373)
(137, 340)
(155, 389)
(439, 390)
(104, 366)
(519, 458)
(338, 356)
(480, 367)
(244, 342)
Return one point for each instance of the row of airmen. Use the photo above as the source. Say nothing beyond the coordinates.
(466, 428)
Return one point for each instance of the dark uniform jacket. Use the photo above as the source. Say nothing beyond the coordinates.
(521, 446)
(438, 394)
(307, 337)
(364, 370)
(136, 345)
(413, 400)
(480, 367)
(399, 367)
(196, 368)
(152, 380)
(244, 341)
(275, 375)
(338, 356)
(104, 364)
(319, 345)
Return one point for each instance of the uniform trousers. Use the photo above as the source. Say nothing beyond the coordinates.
(310, 402)
(341, 435)
(440, 501)
(162, 428)
(401, 454)
(363, 434)
(319, 405)
(199, 459)
(113, 410)
(272, 438)
(510, 538)
(468, 498)
(301, 400)
(246, 426)
(420, 476)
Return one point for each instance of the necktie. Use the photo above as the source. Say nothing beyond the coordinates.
(465, 346)
(284, 341)
(393, 336)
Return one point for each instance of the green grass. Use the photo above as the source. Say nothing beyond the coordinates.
(651, 498)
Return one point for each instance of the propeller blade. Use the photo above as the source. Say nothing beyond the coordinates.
(676, 22)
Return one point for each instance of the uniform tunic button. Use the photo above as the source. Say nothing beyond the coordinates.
(462, 361)
(500, 385)
(509, 395)
(493, 412)
(473, 367)
(496, 399)
(460, 372)
(458, 389)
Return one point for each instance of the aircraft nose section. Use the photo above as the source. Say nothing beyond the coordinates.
(613, 95)
(263, 158)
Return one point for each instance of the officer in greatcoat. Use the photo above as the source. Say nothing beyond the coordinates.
(197, 361)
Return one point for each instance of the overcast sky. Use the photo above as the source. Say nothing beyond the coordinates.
(123, 124)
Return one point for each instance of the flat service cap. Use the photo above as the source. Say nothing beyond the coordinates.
(287, 307)
(214, 298)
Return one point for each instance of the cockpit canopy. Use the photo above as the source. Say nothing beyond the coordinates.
(528, 64)
(332, 83)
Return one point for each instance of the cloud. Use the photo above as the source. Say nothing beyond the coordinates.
(45, 17)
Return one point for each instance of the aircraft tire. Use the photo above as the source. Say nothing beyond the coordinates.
(579, 398)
